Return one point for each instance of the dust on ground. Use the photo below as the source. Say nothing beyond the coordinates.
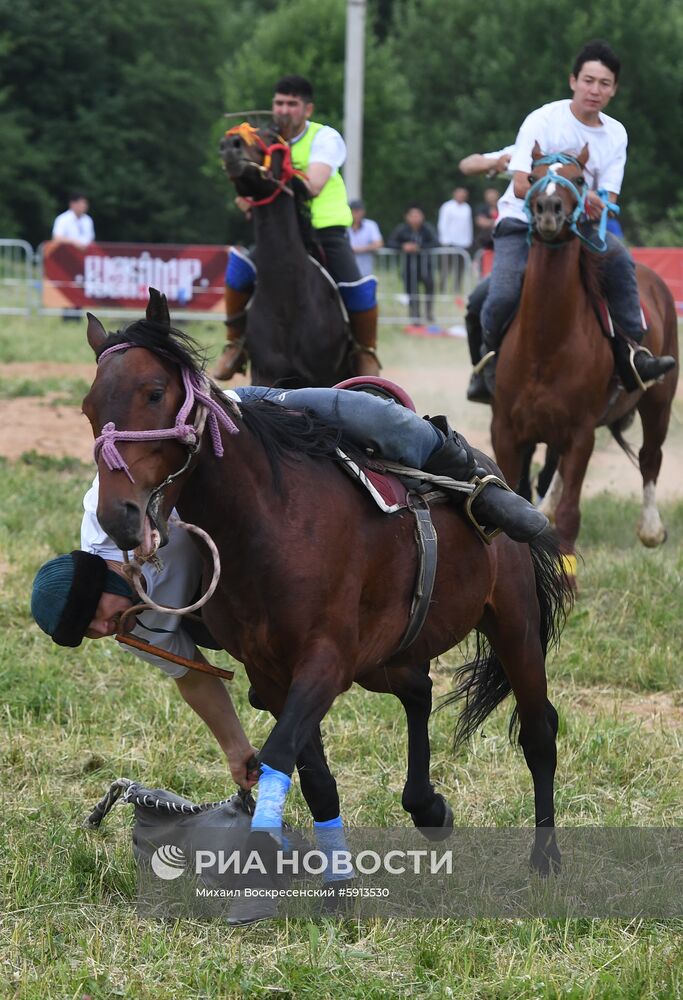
(437, 375)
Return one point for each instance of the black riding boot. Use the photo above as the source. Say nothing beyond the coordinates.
(636, 366)
(494, 506)
(477, 391)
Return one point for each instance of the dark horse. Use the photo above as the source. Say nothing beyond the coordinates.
(316, 583)
(296, 333)
(554, 381)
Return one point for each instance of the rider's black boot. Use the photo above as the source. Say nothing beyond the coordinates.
(650, 368)
(477, 391)
(493, 507)
(636, 366)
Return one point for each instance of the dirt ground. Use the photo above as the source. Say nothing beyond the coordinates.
(41, 424)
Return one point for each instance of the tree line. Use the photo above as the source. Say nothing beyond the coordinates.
(125, 100)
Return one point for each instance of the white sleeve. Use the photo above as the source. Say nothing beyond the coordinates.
(174, 585)
(532, 130)
(497, 153)
(374, 231)
(328, 147)
(89, 230)
(60, 228)
(613, 175)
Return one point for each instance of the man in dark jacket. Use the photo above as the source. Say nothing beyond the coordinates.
(413, 237)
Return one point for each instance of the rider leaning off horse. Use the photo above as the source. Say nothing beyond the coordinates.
(319, 152)
(84, 594)
(568, 126)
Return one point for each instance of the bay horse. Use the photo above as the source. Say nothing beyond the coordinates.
(554, 381)
(316, 583)
(296, 333)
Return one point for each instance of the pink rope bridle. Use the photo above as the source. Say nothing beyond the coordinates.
(197, 391)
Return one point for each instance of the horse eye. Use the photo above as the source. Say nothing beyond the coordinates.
(580, 181)
(532, 179)
(155, 396)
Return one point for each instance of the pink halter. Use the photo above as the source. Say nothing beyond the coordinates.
(197, 391)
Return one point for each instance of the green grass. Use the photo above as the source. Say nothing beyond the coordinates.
(75, 719)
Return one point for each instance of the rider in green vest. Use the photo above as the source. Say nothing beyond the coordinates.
(319, 151)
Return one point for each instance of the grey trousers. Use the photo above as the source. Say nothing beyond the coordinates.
(392, 431)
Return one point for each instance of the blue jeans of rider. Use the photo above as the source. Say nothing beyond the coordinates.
(390, 430)
(618, 276)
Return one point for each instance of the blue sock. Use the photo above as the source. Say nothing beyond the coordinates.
(331, 840)
(272, 791)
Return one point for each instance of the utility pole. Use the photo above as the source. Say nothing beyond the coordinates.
(354, 81)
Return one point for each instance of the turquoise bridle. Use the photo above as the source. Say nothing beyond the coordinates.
(580, 208)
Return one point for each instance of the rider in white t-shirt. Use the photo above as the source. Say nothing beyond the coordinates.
(566, 127)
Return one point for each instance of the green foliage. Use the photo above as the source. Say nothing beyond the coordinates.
(125, 100)
(118, 100)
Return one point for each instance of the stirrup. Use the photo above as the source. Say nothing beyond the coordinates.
(479, 367)
(480, 484)
(633, 351)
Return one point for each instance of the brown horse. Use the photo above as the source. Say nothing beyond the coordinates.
(316, 584)
(554, 380)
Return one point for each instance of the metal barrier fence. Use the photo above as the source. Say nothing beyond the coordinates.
(425, 287)
(17, 278)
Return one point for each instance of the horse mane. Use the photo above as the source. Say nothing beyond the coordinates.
(283, 434)
(589, 267)
(302, 203)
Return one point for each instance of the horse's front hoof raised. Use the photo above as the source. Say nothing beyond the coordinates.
(435, 822)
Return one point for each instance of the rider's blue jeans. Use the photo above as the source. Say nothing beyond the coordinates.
(618, 277)
(392, 431)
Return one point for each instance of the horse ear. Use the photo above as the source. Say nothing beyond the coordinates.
(157, 308)
(583, 156)
(536, 152)
(96, 333)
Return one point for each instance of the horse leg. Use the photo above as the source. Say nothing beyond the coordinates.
(552, 496)
(428, 810)
(510, 454)
(567, 513)
(314, 687)
(318, 786)
(515, 639)
(654, 408)
(547, 474)
(524, 485)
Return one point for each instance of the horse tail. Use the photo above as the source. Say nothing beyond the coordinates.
(617, 430)
(482, 682)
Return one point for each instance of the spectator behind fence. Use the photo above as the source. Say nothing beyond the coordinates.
(485, 219)
(413, 237)
(455, 230)
(75, 225)
(365, 238)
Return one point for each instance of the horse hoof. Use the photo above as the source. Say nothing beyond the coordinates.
(546, 862)
(653, 541)
(436, 822)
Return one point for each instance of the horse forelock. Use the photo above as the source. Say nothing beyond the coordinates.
(166, 342)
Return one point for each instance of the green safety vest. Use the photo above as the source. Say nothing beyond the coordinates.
(331, 206)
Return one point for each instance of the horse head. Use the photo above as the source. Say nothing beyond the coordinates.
(555, 199)
(147, 407)
(257, 160)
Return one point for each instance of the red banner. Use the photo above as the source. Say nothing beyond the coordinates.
(667, 262)
(118, 275)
